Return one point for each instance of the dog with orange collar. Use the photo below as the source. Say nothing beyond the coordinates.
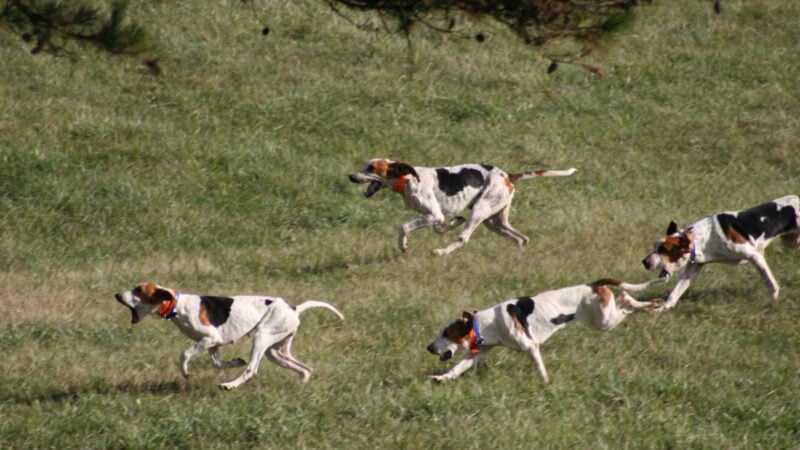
(442, 193)
(213, 321)
(525, 323)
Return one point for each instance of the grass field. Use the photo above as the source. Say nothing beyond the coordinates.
(228, 175)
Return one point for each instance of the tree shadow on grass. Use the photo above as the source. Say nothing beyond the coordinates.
(96, 387)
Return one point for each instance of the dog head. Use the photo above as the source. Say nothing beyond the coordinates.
(380, 173)
(453, 338)
(672, 252)
(144, 299)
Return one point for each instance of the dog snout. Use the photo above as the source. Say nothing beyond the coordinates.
(352, 178)
(431, 349)
(646, 263)
(118, 296)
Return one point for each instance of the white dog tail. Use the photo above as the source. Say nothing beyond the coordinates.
(627, 286)
(317, 304)
(514, 177)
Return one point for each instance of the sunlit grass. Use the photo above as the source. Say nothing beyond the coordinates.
(228, 173)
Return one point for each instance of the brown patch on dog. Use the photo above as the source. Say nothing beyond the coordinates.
(380, 168)
(400, 169)
(152, 294)
(519, 325)
(606, 281)
(674, 247)
(459, 330)
(734, 236)
(509, 185)
(606, 296)
(204, 319)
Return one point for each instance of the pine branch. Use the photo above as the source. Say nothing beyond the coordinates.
(537, 22)
(56, 28)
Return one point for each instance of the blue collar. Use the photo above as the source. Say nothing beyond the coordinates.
(693, 255)
(478, 337)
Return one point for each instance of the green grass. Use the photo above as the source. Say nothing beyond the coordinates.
(228, 175)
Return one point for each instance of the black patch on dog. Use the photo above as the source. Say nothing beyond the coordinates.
(521, 310)
(764, 219)
(562, 319)
(487, 167)
(268, 302)
(452, 183)
(218, 308)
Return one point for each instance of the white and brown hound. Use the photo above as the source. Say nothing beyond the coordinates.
(730, 237)
(525, 323)
(442, 193)
(215, 321)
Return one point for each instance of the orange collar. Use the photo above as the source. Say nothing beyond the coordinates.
(401, 184)
(167, 310)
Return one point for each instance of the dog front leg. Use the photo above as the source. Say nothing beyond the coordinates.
(761, 263)
(199, 346)
(536, 356)
(462, 366)
(420, 222)
(219, 363)
(689, 274)
(454, 223)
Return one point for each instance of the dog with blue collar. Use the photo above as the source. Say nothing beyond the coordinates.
(525, 323)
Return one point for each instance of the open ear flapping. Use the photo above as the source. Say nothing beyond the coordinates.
(672, 228)
(399, 169)
(153, 294)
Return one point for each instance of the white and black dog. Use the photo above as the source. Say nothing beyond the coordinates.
(442, 193)
(215, 321)
(730, 237)
(525, 323)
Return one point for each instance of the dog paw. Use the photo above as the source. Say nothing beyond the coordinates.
(227, 386)
(657, 305)
(438, 378)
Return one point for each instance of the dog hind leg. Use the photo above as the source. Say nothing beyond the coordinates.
(499, 224)
(263, 340)
(281, 355)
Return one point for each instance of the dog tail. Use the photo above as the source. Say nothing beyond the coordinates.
(627, 286)
(514, 177)
(317, 304)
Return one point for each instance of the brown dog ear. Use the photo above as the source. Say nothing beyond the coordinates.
(466, 317)
(153, 294)
(688, 237)
(398, 169)
(672, 228)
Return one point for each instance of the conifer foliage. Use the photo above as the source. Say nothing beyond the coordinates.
(56, 27)
(537, 22)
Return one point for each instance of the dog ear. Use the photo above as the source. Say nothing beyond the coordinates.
(153, 294)
(398, 169)
(466, 317)
(672, 228)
